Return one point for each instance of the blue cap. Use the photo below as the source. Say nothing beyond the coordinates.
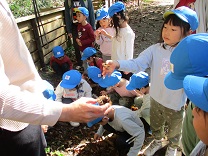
(102, 13)
(94, 73)
(137, 81)
(89, 51)
(116, 7)
(111, 80)
(83, 10)
(185, 14)
(91, 123)
(190, 57)
(58, 51)
(48, 93)
(196, 89)
(71, 79)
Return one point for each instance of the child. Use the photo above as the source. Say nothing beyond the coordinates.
(72, 23)
(104, 33)
(123, 40)
(71, 88)
(89, 54)
(188, 58)
(117, 89)
(126, 125)
(196, 88)
(59, 62)
(85, 32)
(140, 83)
(166, 105)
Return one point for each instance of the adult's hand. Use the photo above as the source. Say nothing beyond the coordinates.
(70, 35)
(83, 110)
(109, 66)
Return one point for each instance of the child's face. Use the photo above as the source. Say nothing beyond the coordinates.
(200, 122)
(80, 17)
(90, 59)
(171, 34)
(105, 22)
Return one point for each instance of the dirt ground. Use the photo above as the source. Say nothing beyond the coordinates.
(65, 140)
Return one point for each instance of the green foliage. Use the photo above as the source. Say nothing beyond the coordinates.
(22, 8)
(55, 153)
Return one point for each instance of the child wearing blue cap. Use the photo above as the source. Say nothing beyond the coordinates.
(72, 23)
(125, 124)
(59, 62)
(117, 89)
(123, 42)
(71, 88)
(188, 58)
(123, 39)
(140, 83)
(104, 33)
(166, 105)
(85, 36)
(89, 54)
(196, 88)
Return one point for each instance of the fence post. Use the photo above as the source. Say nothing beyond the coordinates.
(38, 43)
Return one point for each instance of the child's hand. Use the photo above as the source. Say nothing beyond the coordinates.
(79, 42)
(70, 35)
(103, 32)
(97, 137)
(109, 67)
(97, 33)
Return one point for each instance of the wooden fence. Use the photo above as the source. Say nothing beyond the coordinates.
(52, 33)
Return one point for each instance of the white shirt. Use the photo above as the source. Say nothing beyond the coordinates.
(85, 90)
(123, 45)
(20, 96)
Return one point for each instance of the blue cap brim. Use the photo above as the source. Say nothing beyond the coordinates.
(99, 18)
(172, 83)
(49, 94)
(83, 58)
(130, 87)
(91, 123)
(67, 86)
(102, 83)
(196, 89)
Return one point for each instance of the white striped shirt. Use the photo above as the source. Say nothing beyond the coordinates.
(21, 101)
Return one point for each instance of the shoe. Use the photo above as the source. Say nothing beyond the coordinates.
(172, 152)
(74, 124)
(153, 147)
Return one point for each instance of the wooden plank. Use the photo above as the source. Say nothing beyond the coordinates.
(24, 26)
(54, 34)
(32, 46)
(52, 25)
(54, 43)
(28, 36)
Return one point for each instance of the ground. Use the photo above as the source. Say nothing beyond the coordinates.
(63, 139)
